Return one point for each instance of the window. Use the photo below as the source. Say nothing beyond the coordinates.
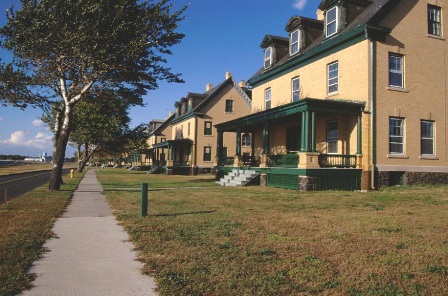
(396, 135)
(295, 86)
(434, 20)
(207, 154)
(208, 128)
(333, 77)
(332, 137)
(427, 137)
(395, 70)
(267, 98)
(267, 57)
(229, 105)
(163, 140)
(331, 21)
(246, 140)
(294, 42)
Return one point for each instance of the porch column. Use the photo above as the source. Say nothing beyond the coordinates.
(238, 142)
(266, 147)
(302, 136)
(219, 146)
(359, 146)
(305, 144)
(313, 131)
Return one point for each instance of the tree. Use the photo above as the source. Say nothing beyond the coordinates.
(99, 123)
(65, 50)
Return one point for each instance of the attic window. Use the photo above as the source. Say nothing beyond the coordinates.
(267, 57)
(294, 42)
(331, 21)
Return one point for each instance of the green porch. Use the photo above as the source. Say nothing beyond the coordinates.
(299, 164)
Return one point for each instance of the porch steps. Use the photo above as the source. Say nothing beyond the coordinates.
(238, 177)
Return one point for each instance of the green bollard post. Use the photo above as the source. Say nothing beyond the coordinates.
(144, 200)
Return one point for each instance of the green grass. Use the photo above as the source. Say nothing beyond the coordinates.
(266, 241)
(25, 225)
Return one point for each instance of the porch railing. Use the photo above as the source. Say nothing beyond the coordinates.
(249, 160)
(181, 163)
(284, 160)
(337, 161)
(228, 161)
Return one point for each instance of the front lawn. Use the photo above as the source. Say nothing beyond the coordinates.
(202, 239)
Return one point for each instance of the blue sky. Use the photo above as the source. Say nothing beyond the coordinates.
(221, 36)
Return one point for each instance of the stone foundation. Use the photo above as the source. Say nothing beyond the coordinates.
(307, 183)
(263, 180)
(411, 178)
(386, 179)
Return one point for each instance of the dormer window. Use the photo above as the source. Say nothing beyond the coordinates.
(331, 21)
(267, 57)
(294, 42)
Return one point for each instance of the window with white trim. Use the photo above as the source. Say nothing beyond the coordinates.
(295, 86)
(229, 106)
(294, 46)
(246, 140)
(396, 70)
(331, 21)
(267, 57)
(208, 128)
(427, 137)
(267, 98)
(396, 135)
(207, 153)
(434, 20)
(333, 78)
(332, 137)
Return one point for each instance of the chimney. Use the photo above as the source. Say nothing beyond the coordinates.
(228, 75)
(242, 84)
(208, 87)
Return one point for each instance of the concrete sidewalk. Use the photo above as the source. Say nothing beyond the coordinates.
(91, 254)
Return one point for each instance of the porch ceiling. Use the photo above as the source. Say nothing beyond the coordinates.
(308, 104)
(179, 142)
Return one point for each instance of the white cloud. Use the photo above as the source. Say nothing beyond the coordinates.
(299, 4)
(38, 123)
(40, 141)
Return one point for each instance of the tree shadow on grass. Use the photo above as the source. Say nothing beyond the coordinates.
(182, 214)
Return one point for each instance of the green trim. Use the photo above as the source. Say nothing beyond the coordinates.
(182, 118)
(307, 104)
(326, 48)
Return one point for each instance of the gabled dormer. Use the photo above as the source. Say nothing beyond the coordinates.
(275, 48)
(302, 32)
(338, 14)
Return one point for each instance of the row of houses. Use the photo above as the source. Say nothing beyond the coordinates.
(355, 99)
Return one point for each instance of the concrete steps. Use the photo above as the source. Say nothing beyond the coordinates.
(238, 177)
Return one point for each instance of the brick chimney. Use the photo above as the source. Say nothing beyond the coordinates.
(228, 75)
(242, 84)
(208, 87)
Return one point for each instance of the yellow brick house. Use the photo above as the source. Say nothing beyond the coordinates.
(355, 99)
(192, 147)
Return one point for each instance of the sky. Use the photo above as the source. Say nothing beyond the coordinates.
(220, 37)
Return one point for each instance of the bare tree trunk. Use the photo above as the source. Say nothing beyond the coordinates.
(84, 159)
(58, 161)
(61, 136)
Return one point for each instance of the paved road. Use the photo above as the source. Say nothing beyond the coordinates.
(19, 184)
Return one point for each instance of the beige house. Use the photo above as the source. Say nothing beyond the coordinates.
(191, 145)
(355, 99)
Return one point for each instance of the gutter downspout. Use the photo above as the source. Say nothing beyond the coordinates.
(372, 160)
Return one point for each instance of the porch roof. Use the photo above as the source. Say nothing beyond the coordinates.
(306, 104)
(168, 143)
